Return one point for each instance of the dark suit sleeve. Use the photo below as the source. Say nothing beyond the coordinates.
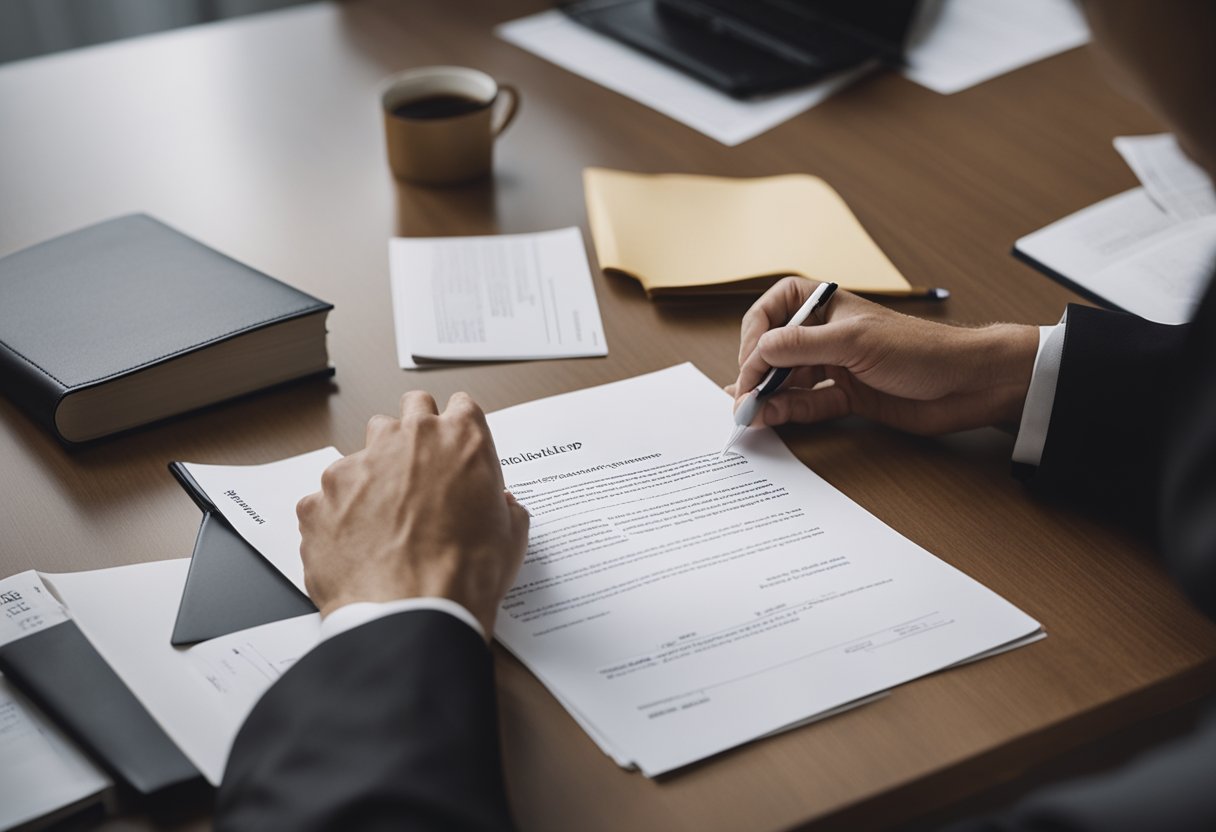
(1168, 789)
(390, 725)
(1134, 425)
(1110, 417)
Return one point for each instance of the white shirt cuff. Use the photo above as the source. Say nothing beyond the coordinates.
(363, 612)
(1036, 413)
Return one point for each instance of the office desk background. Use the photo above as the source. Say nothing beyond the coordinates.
(262, 137)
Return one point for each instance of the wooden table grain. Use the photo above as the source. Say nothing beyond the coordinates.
(262, 137)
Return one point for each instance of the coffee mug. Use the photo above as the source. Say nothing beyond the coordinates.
(440, 123)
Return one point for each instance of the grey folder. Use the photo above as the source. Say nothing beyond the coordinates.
(64, 675)
(230, 586)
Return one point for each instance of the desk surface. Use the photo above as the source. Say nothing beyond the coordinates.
(262, 137)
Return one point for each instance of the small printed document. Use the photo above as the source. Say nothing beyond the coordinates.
(1130, 253)
(1179, 186)
(956, 44)
(41, 772)
(508, 297)
(677, 604)
(559, 40)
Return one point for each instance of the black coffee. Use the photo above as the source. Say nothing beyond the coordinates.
(438, 106)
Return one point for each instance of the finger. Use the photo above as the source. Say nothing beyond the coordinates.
(521, 520)
(799, 377)
(378, 425)
(306, 506)
(832, 345)
(418, 403)
(772, 309)
(799, 404)
(462, 406)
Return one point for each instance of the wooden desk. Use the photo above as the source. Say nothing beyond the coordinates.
(262, 137)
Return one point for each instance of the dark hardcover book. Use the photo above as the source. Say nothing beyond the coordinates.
(128, 322)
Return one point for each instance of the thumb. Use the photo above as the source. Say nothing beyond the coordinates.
(520, 519)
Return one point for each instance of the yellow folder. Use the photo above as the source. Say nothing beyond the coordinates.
(684, 234)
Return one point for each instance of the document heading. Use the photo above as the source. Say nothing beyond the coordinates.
(528, 456)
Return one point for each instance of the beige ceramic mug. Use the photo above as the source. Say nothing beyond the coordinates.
(440, 123)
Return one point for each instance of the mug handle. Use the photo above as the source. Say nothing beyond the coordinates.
(507, 114)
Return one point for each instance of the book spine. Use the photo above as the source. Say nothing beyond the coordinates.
(31, 388)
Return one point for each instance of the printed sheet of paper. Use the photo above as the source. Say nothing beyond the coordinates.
(956, 44)
(40, 770)
(199, 695)
(679, 605)
(557, 39)
(1179, 186)
(259, 502)
(1129, 251)
(504, 297)
(685, 604)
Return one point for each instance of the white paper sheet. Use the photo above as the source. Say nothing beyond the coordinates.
(557, 39)
(685, 605)
(678, 605)
(1129, 251)
(259, 502)
(40, 770)
(497, 298)
(1179, 186)
(199, 695)
(956, 44)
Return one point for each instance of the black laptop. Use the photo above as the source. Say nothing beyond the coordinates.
(755, 47)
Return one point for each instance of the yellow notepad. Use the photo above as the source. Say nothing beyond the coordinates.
(683, 234)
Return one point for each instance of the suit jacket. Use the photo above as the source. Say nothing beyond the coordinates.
(392, 725)
(1133, 435)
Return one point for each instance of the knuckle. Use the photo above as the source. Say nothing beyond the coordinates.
(380, 423)
(331, 476)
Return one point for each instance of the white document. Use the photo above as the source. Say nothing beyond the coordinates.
(40, 770)
(685, 605)
(956, 44)
(505, 297)
(679, 605)
(557, 39)
(1133, 254)
(259, 502)
(199, 695)
(1179, 186)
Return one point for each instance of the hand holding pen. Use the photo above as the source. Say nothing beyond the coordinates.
(864, 359)
(747, 410)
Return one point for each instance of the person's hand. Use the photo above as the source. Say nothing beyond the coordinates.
(421, 511)
(864, 359)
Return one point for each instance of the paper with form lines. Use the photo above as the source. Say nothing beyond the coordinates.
(506, 297)
(684, 605)
(676, 604)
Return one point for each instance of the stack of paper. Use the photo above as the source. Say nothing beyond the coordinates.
(501, 298)
(1150, 250)
(682, 234)
(676, 604)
